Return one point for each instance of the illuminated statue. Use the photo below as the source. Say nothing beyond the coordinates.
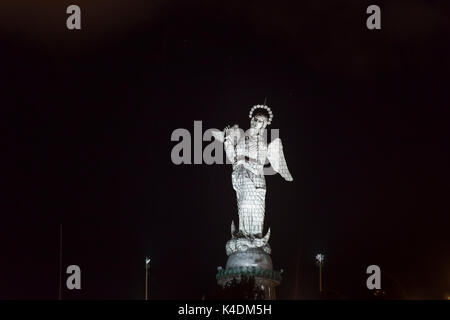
(248, 153)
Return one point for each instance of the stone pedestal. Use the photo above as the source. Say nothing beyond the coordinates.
(253, 262)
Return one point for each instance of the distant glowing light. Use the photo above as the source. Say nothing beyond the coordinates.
(147, 260)
(320, 258)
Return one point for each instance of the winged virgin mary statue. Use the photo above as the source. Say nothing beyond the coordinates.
(248, 152)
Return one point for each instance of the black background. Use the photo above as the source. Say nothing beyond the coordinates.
(88, 117)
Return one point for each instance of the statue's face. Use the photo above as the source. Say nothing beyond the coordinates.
(258, 122)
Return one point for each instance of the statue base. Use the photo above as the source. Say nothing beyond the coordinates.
(241, 242)
(253, 263)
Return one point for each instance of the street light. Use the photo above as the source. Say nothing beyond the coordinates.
(147, 266)
(320, 259)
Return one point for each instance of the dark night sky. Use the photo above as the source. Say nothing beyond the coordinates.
(88, 115)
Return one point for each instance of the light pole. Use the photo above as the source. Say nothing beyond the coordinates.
(320, 258)
(147, 266)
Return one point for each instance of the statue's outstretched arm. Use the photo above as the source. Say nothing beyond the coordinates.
(230, 150)
(276, 158)
(225, 133)
(229, 136)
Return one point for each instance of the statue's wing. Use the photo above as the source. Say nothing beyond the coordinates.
(218, 135)
(276, 158)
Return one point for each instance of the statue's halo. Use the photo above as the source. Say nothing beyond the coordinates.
(262, 106)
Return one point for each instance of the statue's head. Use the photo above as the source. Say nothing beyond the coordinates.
(260, 117)
(259, 121)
